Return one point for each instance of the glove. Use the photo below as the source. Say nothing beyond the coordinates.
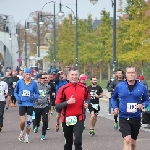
(19, 102)
(32, 99)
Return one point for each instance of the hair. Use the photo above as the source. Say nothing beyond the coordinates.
(73, 69)
(131, 67)
(44, 73)
(92, 77)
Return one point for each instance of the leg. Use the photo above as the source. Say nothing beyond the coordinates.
(37, 116)
(109, 107)
(45, 120)
(22, 111)
(8, 99)
(78, 130)
(29, 119)
(57, 119)
(68, 134)
(92, 120)
(1, 114)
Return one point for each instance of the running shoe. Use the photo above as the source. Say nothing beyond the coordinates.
(84, 126)
(43, 137)
(116, 125)
(57, 127)
(92, 132)
(36, 130)
(21, 137)
(48, 128)
(26, 139)
(7, 109)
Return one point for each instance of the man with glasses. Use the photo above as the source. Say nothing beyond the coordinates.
(26, 93)
(41, 106)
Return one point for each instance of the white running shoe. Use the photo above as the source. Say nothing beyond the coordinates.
(21, 137)
(26, 139)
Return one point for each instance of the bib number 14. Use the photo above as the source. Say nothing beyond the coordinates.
(71, 120)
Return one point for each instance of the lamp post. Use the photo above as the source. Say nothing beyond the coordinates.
(54, 17)
(114, 32)
(25, 48)
(61, 14)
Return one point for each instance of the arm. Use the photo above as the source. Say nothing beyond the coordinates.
(145, 98)
(6, 89)
(16, 91)
(114, 98)
(111, 87)
(36, 91)
(60, 100)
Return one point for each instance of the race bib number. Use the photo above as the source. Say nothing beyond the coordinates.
(42, 93)
(71, 120)
(26, 93)
(95, 106)
(1, 92)
(131, 107)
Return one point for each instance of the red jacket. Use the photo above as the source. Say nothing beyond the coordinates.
(80, 93)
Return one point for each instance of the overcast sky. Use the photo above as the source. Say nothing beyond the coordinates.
(21, 9)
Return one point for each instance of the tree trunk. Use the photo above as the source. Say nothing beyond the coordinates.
(108, 71)
(100, 73)
(142, 68)
(84, 68)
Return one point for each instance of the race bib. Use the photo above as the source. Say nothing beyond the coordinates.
(71, 120)
(131, 107)
(42, 92)
(1, 92)
(14, 83)
(95, 106)
(26, 93)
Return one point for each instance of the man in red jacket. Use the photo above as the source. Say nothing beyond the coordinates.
(71, 99)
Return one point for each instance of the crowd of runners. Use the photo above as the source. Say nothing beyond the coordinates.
(39, 96)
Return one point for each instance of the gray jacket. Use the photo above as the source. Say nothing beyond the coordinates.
(44, 90)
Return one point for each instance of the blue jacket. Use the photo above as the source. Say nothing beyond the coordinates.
(59, 84)
(27, 94)
(138, 95)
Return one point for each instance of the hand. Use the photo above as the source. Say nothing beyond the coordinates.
(97, 96)
(53, 94)
(85, 105)
(71, 100)
(19, 101)
(116, 111)
(32, 99)
(140, 106)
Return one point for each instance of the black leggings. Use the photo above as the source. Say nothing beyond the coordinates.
(77, 129)
(44, 113)
(2, 105)
(13, 99)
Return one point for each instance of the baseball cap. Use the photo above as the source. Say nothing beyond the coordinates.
(27, 70)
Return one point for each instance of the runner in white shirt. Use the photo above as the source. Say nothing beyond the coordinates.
(20, 75)
(3, 93)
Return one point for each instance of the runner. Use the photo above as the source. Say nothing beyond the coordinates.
(96, 92)
(132, 95)
(26, 93)
(14, 79)
(41, 107)
(113, 84)
(3, 93)
(59, 81)
(8, 80)
(71, 101)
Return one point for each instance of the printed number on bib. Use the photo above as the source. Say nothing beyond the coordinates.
(71, 120)
(132, 107)
(95, 106)
(42, 93)
(26, 93)
(1, 92)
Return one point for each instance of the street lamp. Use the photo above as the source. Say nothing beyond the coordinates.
(114, 32)
(93, 1)
(76, 17)
(54, 15)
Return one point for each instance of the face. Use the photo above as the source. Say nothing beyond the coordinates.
(46, 78)
(42, 80)
(20, 72)
(94, 81)
(61, 75)
(51, 77)
(82, 81)
(73, 76)
(8, 73)
(27, 76)
(40, 71)
(131, 74)
(14, 73)
(119, 74)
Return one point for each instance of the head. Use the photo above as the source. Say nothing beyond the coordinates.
(93, 80)
(40, 71)
(61, 76)
(141, 78)
(51, 77)
(14, 73)
(8, 73)
(119, 74)
(42, 78)
(27, 74)
(73, 76)
(46, 77)
(20, 72)
(82, 78)
(131, 74)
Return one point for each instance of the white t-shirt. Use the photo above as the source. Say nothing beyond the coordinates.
(3, 89)
(20, 77)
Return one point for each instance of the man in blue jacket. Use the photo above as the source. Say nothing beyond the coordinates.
(26, 93)
(132, 96)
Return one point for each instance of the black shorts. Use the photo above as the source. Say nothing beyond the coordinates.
(52, 101)
(130, 126)
(58, 110)
(25, 109)
(93, 109)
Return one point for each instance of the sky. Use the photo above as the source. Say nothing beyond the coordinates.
(21, 9)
